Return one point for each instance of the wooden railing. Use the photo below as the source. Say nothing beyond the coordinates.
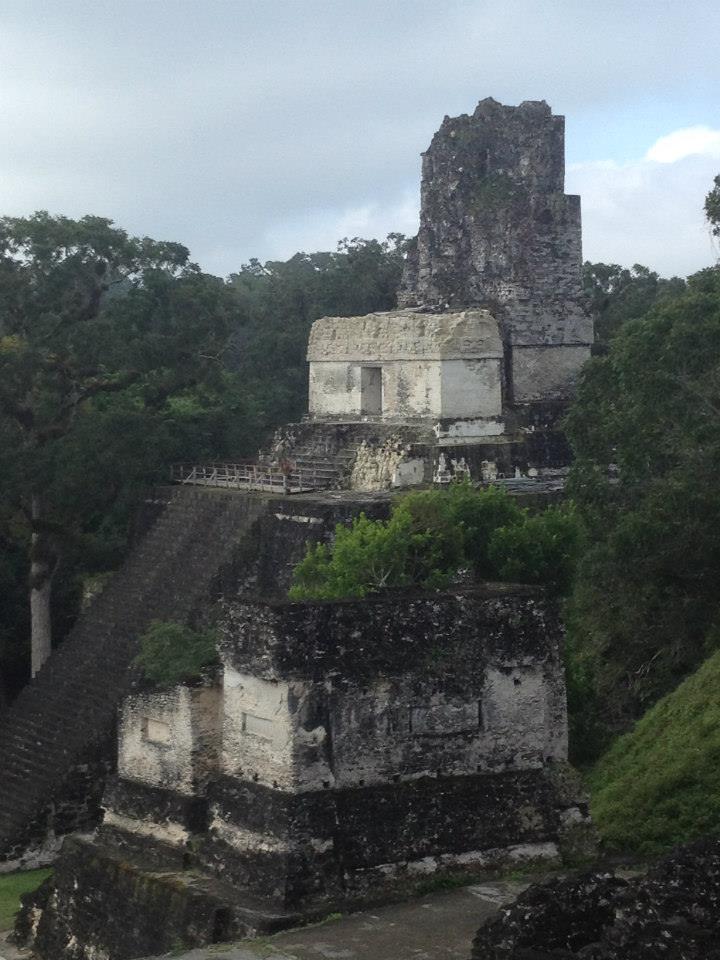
(249, 475)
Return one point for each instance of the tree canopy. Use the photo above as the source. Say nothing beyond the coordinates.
(282, 299)
(106, 342)
(617, 294)
(118, 356)
(712, 207)
(645, 431)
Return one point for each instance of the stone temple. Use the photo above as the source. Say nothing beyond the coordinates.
(492, 330)
(339, 753)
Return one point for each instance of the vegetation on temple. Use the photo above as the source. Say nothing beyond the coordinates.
(172, 653)
(432, 535)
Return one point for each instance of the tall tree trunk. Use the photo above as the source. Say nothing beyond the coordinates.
(42, 567)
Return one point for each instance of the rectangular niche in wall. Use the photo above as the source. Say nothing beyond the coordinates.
(371, 399)
(256, 726)
(155, 731)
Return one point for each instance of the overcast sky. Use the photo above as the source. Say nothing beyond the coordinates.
(256, 128)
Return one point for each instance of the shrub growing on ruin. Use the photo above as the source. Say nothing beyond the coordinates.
(432, 535)
(373, 555)
(477, 514)
(172, 653)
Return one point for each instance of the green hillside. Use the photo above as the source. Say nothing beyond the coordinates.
(660, 784)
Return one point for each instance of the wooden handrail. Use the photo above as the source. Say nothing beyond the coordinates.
(314, 475)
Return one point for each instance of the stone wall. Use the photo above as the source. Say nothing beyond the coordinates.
(343, 720)
(363, 746)
(102, 906)
(171, 738)
(425, 365)
(497, 231)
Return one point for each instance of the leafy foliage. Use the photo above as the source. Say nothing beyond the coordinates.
(645, 434)
(171, 653)
(659, 785)
(542, 549)
(712, 207)
(117, 357)
(617, 294)
(430, 536)
(109, 365)
(280, 301)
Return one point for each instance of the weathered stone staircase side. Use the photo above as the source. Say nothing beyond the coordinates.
(331, 448)
(60, 729)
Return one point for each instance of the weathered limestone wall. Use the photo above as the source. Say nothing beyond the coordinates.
(430, 366)
(547, 371)
(386, 739)
(282, 657)
(497, 231)
(171, 738)
(365, 746)
(471, 389)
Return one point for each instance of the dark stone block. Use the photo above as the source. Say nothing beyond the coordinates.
(673, 912)
(448, 635)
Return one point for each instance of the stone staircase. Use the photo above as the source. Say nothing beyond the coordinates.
(329, 450)
(56, 740)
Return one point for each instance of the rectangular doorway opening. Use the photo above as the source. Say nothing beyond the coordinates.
(371, 400)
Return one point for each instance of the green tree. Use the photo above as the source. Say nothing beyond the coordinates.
(280, 301)
(617, 294)
(172, 653)
(712, 207)
(542, 549)
(645, 431)
(103, 338)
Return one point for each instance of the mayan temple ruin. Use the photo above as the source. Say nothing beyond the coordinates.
(340, 752)
(477, 364)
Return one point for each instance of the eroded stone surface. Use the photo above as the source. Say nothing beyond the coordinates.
(364, 747)
(673, 912)
(497, 231)
(406, 365)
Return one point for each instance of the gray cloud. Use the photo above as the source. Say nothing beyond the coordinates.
(257, 128)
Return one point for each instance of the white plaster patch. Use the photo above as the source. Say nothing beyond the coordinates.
(257, 729)
(156, 731)
(460, 431)
(409, 473)
(297, 519)
(172, 833)
(247, 840)
(170, 738)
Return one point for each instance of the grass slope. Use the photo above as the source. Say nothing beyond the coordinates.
(12, 885)
(660, 784)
